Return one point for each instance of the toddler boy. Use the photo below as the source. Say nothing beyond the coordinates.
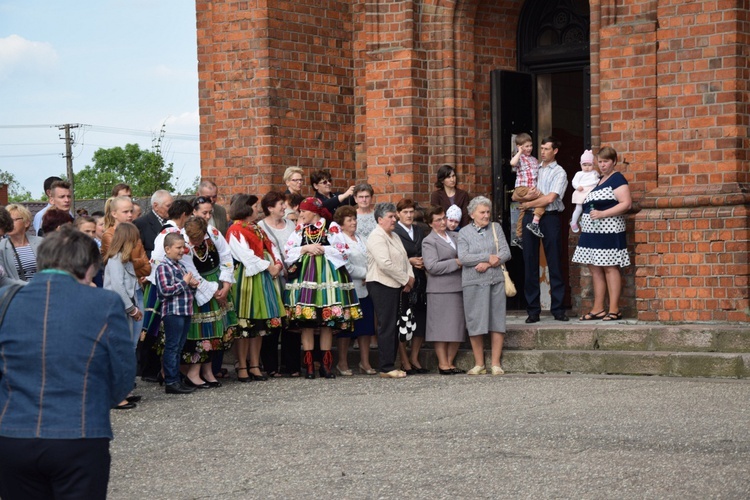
(526, 168)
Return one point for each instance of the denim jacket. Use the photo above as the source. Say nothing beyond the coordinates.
(66, 358)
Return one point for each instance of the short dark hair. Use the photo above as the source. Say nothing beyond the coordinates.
(6, 221)
(59, 184)
(54, 218)
(179, 208)
(319, 175)
(608, 153)
(48, 182)
(170, 238)
(119, 187)
(343, 212)
(68, 250)
(293, 200)
(270, 200)
(406, 203)
(363, 187)
(444, 172)
(242, 206)
(555, 142)
(432, 212)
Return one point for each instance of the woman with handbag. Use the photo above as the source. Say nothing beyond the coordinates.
(388, 274)
(446, 326)
(411, 235)
(483, 250)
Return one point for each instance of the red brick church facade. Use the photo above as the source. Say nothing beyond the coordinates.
(386, 91)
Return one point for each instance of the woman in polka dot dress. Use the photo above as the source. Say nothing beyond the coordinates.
(603, 245)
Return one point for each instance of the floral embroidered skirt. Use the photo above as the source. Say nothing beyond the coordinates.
(257, 302)
(211, 327)
(322, 296)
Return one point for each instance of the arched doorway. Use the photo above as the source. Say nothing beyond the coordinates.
(548, 95)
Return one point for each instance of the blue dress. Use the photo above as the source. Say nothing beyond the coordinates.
(603, 242)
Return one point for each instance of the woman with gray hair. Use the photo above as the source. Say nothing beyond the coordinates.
(388, 274)
(363, 194)
(482, 249)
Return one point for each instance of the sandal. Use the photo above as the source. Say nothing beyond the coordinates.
(612, 316)
(592, 316)
(223, 373)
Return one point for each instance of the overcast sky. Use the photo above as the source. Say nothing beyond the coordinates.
(122, 67)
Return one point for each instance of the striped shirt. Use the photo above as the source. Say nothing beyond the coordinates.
(176, 295)
(552, 179)
(526, 171)
(28, 261)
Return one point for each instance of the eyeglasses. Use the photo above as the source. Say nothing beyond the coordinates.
(324, 181)
(295, 180)
(16, 219)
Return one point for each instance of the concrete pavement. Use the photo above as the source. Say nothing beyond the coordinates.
(432, 436)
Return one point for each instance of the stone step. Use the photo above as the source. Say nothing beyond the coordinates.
(629, 337)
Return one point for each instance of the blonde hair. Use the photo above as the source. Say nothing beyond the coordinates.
(20, 210)
(110, 206)
(289, 172)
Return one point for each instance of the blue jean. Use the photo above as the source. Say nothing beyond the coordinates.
(175, 334)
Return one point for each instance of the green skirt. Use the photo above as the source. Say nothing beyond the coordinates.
(258, 303)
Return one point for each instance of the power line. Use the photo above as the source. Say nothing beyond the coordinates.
(24, 156)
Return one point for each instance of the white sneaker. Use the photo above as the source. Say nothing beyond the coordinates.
(574, 227)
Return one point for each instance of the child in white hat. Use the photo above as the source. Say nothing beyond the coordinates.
(453, 216)
(583, 182)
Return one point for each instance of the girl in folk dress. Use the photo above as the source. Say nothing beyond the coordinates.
(321, 293)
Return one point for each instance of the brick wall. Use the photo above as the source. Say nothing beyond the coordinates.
(388, 91)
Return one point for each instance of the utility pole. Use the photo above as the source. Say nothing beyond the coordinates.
(69, 140)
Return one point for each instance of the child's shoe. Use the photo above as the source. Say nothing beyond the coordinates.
(574, 227)
(534, 228)
(516, 242)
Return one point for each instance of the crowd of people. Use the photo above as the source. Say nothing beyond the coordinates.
(276, 279)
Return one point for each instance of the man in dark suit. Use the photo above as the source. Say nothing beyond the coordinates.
(208, 189)
(151, 224)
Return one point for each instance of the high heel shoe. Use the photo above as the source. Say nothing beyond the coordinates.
(344, 373)
(259, 378)
(242, 379)
(367, 371)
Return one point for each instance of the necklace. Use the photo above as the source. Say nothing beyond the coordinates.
(314, 235)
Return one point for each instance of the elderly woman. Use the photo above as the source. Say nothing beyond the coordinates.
(446, 327)
(411, 236)
(363, 194)
(448, 193)
(320, 292)
(356, 264)
(321, 182)
(388, 274)
(482, 249)
(18, 250)
(257, 294)
(71, 374)
(603, 244)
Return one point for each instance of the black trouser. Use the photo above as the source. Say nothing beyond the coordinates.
(290, 351)
(385, 300)
(54, 468)
(550, 227)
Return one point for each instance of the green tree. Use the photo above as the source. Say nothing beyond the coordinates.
(16, 192)
(145, 171)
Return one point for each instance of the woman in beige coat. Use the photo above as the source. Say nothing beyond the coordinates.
(388, 274)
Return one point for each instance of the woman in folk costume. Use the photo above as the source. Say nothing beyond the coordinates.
(213, 322)
(320, 294)
(257, 293)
